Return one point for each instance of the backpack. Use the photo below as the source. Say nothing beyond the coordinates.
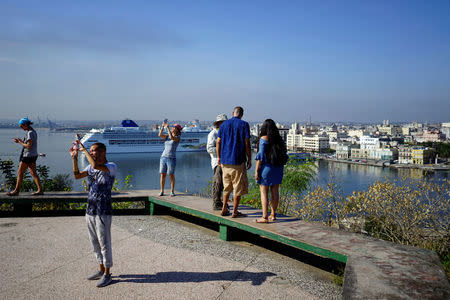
(278, 154)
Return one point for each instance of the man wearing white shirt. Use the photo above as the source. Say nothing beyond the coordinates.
(217, 169)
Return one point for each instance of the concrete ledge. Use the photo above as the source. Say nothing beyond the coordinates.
(375, 269)
(23, 202)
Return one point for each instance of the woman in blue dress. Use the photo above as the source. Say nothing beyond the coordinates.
(270, 161)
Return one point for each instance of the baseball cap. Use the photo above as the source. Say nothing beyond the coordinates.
(25, 121)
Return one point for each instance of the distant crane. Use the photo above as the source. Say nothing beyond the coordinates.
(51, 125)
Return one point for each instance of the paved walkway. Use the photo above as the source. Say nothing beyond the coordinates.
(156, 257)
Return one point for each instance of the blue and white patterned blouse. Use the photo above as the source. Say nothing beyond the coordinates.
(100, 184)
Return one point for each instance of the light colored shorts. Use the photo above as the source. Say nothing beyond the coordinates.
(235, 179)
(167, 165)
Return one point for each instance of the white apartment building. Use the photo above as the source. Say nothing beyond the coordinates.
(297, 141)
(293, 141)
(383, 154)
(315, 143)
(343, 151)
(369, 143)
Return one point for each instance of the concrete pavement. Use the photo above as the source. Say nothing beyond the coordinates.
(155, 257)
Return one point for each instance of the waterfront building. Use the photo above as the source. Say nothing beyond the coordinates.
(404, 155)
(358, 153)
(387, 154)
(422, 155)
(343, 151)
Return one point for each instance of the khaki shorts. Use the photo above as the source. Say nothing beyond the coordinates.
(235, 179)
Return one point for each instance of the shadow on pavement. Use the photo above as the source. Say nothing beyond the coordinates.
(255, 278)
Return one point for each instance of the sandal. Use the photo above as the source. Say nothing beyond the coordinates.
(262, 220)
(238, 215)
(272, 219)
(225, 213)
(37, 194)
(12, 194)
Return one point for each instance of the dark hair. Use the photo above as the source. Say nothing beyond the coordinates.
(239, 110)
(100, 146)
(277, 149)
(270, 129)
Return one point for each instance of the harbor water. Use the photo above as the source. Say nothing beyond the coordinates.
(193, 170)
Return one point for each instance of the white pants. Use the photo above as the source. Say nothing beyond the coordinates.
(99, 228)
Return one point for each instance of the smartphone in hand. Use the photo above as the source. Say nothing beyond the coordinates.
(77, 142)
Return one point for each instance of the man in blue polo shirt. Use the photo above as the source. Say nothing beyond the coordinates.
(233, 153)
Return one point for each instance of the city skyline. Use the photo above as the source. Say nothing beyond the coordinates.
(331, 61)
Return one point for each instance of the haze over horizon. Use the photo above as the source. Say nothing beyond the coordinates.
(286, 60)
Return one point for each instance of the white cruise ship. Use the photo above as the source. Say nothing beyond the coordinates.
(130, 138)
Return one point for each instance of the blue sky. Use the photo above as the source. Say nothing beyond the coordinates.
(286, 60)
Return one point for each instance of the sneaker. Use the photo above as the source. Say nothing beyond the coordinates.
(161, 194)
(95, 276)
(104, 281)
(172, 194)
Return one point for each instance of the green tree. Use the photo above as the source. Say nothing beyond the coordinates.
(442, 148)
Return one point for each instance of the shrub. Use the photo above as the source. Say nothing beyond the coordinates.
(406, 211)
(410, 212)
(60, 182)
